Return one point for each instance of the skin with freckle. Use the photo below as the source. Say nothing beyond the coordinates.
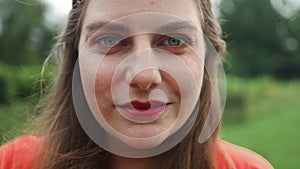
(145, 81)
(152, 2)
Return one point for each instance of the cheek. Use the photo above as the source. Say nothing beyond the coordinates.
(101, 85)
(198, 72)
(170, 85)
(196, 65)
(103, 79)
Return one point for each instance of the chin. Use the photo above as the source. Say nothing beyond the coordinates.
(145, 136)
(144, 143)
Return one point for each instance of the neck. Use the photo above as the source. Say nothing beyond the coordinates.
(118, 162)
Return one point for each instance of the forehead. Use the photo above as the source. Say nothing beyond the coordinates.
(108, 10)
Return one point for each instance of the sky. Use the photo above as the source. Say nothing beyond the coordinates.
(58, 9)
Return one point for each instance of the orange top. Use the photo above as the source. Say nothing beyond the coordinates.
(21, 153)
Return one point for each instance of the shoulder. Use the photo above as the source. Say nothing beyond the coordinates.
(241, 157)
(20, 153)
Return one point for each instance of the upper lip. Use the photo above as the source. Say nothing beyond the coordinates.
(144, 105)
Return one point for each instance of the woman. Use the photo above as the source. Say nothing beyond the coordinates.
(157, 121)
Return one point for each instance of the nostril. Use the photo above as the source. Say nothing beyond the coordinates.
(146, 79)
(153, 85)
(143, 85)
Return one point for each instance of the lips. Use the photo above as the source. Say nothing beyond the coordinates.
(144, 106)
(142, 112)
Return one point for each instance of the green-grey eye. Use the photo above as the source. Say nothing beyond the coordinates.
(173, 41)
(108, 41)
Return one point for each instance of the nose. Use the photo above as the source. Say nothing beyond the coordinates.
(146, 79)
(142, 75)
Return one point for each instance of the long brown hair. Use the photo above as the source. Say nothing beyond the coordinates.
(66, 145)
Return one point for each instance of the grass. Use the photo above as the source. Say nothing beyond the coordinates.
(262, 114)
(272, 127)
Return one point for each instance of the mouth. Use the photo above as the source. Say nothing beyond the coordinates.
(142, 112)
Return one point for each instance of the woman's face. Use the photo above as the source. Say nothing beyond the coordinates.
(143, 80)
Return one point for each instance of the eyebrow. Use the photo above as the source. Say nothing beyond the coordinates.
(178, 25)
(106, 25)
(114, 26)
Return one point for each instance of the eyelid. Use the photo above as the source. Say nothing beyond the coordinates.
(92, 36)
(185, 39)
(189, 41)
(118, 37)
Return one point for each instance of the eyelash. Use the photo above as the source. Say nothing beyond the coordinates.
(161, 42)
(109, 36)
(184, 42)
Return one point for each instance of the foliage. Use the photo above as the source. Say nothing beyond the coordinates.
(19, 83)
(260, 40)
(13, 119)
(24, 37)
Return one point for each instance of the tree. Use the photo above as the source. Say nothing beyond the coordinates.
(260, 40)
(24, 38)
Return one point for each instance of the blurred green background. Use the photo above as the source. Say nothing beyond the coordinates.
(262, 65)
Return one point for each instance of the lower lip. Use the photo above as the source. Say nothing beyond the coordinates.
(142, 116)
